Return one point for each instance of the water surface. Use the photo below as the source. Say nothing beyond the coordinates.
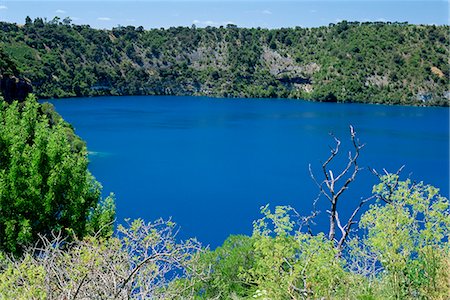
(211, 163)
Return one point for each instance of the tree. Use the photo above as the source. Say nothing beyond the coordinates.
(277, 262)
(361, 64)
(334, 185)
(227, 263)
(44, 181)
(67, 21)
(28, 21)
(55, 21)
(290, 264)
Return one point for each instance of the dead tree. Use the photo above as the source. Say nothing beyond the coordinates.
(334, 185)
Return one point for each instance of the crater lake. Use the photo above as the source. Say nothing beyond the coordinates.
(211, 163)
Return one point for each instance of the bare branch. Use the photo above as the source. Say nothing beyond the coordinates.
(345, 230)
(334, 152)
(138, 264)
(336, 183)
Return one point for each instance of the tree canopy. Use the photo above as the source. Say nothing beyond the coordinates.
(45, 186)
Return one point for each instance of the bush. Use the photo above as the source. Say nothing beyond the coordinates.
(44, 182)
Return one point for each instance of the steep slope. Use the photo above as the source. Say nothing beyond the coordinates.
(394, 63)
(12, 87)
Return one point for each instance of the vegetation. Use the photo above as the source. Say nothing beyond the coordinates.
(403, 254)
(7, 67)
(44, 182)
(395, 63)
(401, 250)
(12, 86)
(136, 265)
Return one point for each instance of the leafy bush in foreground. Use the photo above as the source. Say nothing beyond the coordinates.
(136, 264)
(402, 254)
(409, 238)
(44, 182)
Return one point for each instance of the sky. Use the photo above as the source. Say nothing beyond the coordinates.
(243, 13)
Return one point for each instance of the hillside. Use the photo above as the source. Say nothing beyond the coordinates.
(394, 63)
(12, 86)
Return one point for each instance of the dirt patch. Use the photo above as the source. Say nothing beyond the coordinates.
(437, 72)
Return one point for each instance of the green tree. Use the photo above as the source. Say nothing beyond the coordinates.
(44, 182)
(290, 264)
(227, 263)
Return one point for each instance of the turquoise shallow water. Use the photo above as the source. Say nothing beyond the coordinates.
(211, 163)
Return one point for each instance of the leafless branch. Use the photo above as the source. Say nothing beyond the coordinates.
(334, 185)
(137, 264)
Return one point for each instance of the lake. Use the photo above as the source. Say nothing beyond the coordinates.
(210, 163)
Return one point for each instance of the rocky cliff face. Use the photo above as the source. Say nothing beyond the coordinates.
(14, 88)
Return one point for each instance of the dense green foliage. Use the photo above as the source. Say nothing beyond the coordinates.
(402, 254)
(376, 62)
(44, 183)
(7, 66)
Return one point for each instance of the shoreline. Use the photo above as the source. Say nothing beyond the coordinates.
(252, 98)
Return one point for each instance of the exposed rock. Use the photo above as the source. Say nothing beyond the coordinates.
(447, 95)
(424, 96)
(305, 87)
(13, 88)
(288, 72)
(285, 65)
(377, 80)
(295, 79)
(205, 57)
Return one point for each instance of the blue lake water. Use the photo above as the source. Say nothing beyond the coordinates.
(211, 163)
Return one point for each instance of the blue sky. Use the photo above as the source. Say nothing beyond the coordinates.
(244, 13)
